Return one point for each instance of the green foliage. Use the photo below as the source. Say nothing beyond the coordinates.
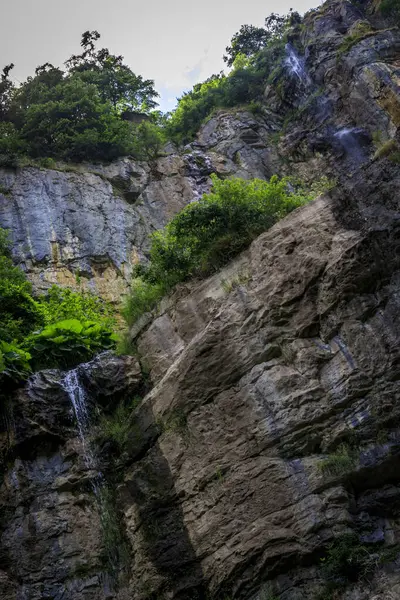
(14, 362)
(386, 149)
(117, 427)
(148, 139)
(243, 86)
(67, 343)
(78, 114)
(11, 145)
(19, 312)
(360, 32)
(248, 40)
(59, 329)
(206, 234)
(391, 9)
(341, 462)
(347, 560)
(60, 303)
(143, 297)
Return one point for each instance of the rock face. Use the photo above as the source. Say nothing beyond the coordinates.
(264, 375)
(270, 422)
(87, 226)
(52, 528)
(271, 429)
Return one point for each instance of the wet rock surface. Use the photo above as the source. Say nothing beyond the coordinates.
(52, 539)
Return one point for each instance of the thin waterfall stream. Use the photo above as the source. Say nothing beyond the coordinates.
(79, 399)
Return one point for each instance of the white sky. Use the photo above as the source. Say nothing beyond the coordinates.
(177, 42)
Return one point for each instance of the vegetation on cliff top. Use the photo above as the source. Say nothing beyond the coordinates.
(254, 55)
(82, 113)
(97, 108)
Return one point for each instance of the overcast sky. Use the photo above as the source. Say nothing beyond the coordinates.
(175, 42)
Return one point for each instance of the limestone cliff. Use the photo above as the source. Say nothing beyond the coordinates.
(337, 88)
(269, 425)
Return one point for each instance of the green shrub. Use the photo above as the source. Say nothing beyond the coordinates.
(347, 560)
(243, 86)
(67, 343)
(206, 234)
(342, 461)
(59, 329)
(59, 304)
(361, 31)
(143, 297)
(117, 427)
(19, 312)
(14, 362)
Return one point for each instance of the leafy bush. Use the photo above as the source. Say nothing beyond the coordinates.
(59, 304)
(14, 362)
(207, 234)
(117, 427)
(67, 343)
(360, 32)
(143, 298)
(347, 560)
(19, 312)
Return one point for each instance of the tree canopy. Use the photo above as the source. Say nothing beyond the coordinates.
(77, 113)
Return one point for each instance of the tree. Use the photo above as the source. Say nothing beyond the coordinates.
(6, 91)
(73, 123)
(116, 82)
(248, 40)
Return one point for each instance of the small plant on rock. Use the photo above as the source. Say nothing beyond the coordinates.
(342, 461)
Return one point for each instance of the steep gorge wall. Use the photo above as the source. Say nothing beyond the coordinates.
(258, 381)
(87, 225)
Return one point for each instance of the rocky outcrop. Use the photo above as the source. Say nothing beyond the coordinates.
(87, 226)
(270, 423)
(271, 429)
(53, 508)
(264, 376)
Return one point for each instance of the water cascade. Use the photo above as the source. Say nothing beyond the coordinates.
(78, 397)
(296, 64)
(350, 141)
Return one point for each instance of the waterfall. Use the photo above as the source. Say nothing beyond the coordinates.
(296, 64)
(348, 138)
(112, 540)
(77, 394)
